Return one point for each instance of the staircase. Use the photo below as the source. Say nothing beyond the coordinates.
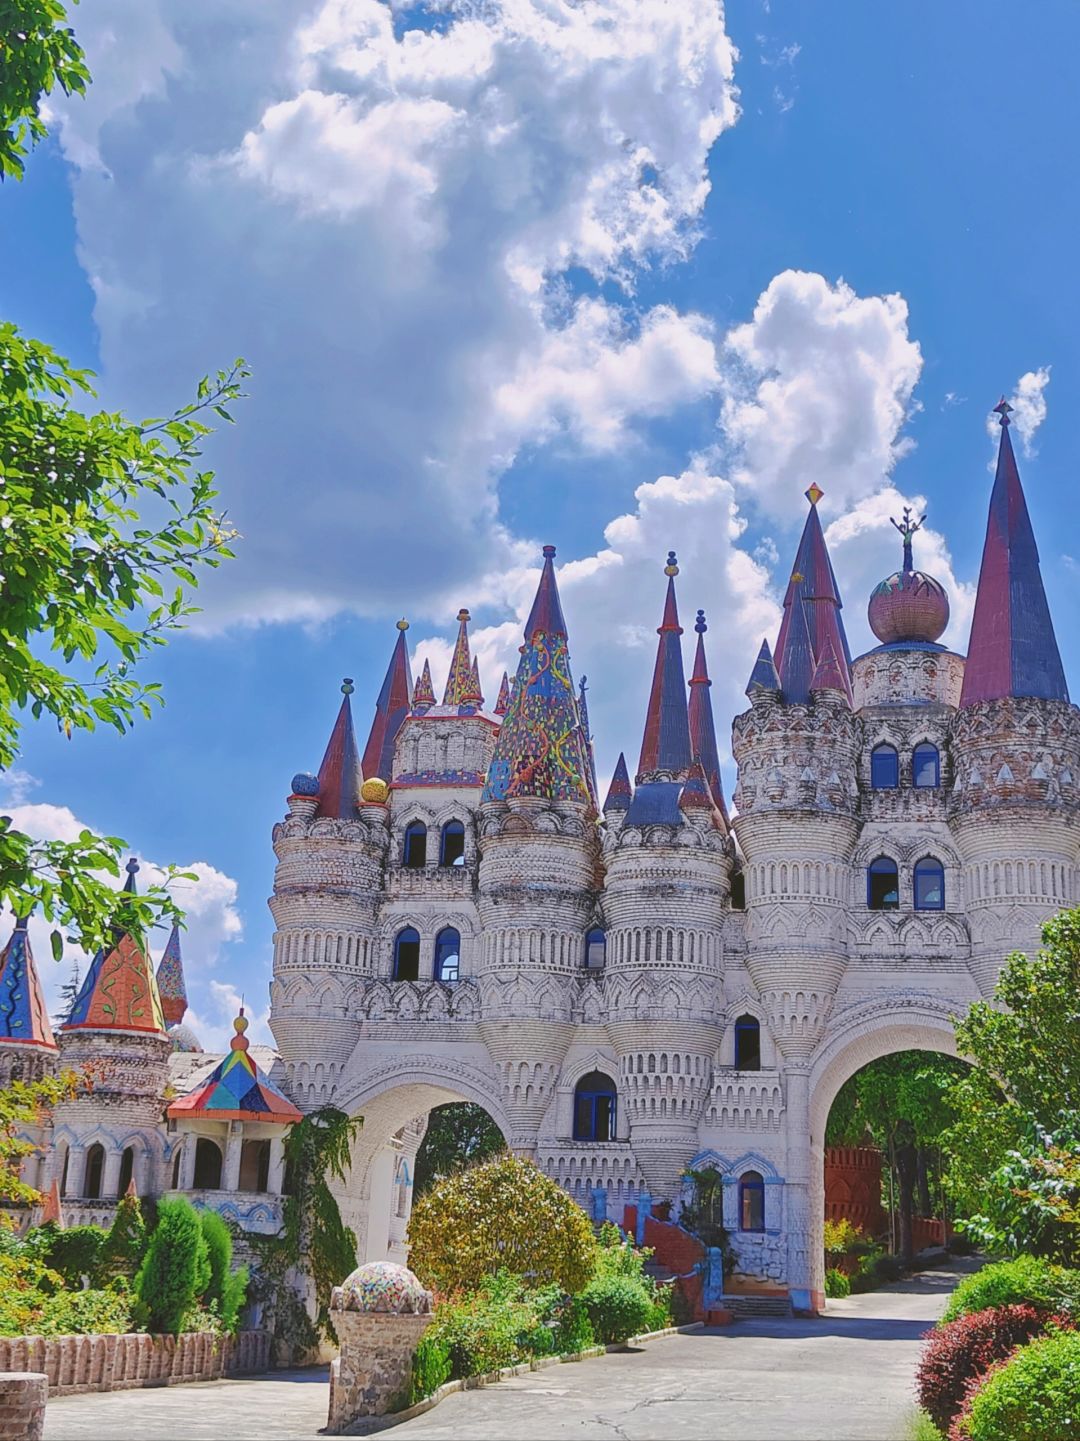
(755, 1308)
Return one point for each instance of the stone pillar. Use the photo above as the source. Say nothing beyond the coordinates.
(76, 1175)
(276, 1174)
(802, 1201)
(22, 1405)
(110, 1181)
(187, 1163)
(230, 1171)
(379, 1313)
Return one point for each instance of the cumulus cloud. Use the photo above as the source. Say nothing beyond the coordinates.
(1028, 409)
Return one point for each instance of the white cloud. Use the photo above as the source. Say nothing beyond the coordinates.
(1028, 409)
(214, 1024)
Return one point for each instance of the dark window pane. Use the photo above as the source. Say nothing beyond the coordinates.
(751, 1202)
(884, 768)
(453, 844)
(926, 767)
(604, 1112)
(595, 949)
(929, 886)
(583, 1118)
(747, 1044)
(594, 1108)
(407, 955)
(416, 845)
(447, 955)
(882, 885)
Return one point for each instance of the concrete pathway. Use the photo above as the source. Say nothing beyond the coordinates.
(845, 1377)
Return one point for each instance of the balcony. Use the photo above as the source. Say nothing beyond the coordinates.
(430, 882)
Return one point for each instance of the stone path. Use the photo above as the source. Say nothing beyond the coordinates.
(845, 1377)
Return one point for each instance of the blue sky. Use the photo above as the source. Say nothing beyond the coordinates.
(490, 302)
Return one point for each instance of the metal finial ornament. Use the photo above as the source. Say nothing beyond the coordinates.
(699, 624)
(463, 616)
(1004, 409)
(347, 686)
(132, 866)
(907, 529)
(403, 624)
(549, 552)
(672, 567)
(814, 493)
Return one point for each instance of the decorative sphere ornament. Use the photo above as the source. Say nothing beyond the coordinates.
(305, 784)
(374, 791)
(382, 1286)
(908, 605)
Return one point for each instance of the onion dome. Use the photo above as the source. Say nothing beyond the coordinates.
(908, 605)
(184, 1039)
(384, 1287)
(305, 784)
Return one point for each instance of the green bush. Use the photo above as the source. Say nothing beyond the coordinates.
(175, 1270)
(619, 1307)
(76, 1253)
(430, 1367)
(1035, 1396)
(125, 1243)
(836, 1283)
(1027, 1279)
(224, 1295)
(80, 1313)
(567, 1319)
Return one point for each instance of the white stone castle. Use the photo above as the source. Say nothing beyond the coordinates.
(640, 988)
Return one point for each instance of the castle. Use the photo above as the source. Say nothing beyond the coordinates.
(650, 985)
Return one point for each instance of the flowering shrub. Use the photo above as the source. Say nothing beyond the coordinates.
(105, 1312)
(1034, 1396)
(963, 1350)
(842, 1236)
(1023, 1281)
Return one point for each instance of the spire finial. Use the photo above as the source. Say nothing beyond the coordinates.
(1004, 410)
(347, 686)
(240, 1042)
(907, 528)
(549, 552)
(814, 493)
(672, 567)
(403, 624)
(132, 869)
(699, 624)
(463, 616)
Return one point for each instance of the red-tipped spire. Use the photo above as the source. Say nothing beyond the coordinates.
(502, 705)
(340, 776)
(812, 618)
(1013, 650)
(828, 674)
(424, 692)
(23, 1017)
(694, 795)
(391, 708)
(666, 742)
(619, 793)
(546, 613)
(702, 730)
(459, 681)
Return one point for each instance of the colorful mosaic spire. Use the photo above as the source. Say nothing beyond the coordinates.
(540, 750)
(170, 980)
(118, 992)
(502, 705)
(424, 691)
(587, 738)
(1013, 650)
(475, 694)
(700, 714)
(340, 776)
(764, 676)
(666, 742)
(459, 681)
(23, 1017)
(619, 793)
(237, 1089)
(391, 708)
(812, 608)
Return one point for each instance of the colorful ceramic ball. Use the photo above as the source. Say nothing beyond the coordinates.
(305, 784)
(382, 1286)
(374, 791)
(908, 606)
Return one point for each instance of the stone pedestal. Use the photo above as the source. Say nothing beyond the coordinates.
(371, 1376)
(22, 1405)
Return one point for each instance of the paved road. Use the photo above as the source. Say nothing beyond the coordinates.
(846, 1377)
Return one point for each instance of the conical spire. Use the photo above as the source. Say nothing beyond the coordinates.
(502, 705)
(170, 980)
(619, 793)
(812, 608)
(666, 742)
(23, 1017)
(424, 692)
(237, 1089)
(540, 750)
(700, 715)
(475, 694)
(828, 674)
(391, 708)
(1013, 650)
(459, 681)
(764, 676)
(586, 737)
(694, 795)
(340, 776)
(119, 992)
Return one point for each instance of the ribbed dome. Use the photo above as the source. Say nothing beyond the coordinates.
(908, 605)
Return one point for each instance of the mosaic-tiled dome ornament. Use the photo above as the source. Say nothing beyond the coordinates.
(384, 1287)
(184, 1039)
(908, 605)
(374, 791)
(305, 784)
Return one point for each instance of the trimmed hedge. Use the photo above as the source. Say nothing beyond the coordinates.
(1025, 1281)
(957, 1354)
(1035, 1396)
(619, 1307)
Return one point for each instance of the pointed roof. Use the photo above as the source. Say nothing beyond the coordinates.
(828, 674)
(391, 708)
(764, 676)
(237, 1089)
(118, 992)
(619, 793)
(1013, 650)
(666, 742)
(475, 696)
(700, 714)
(424, 691)
(23, 1017)
(587, 738)
(51, 1209)
(540, 750)
(502, 705)
(170, 980)
(459, 681)
(340, 776)
(695, 792)
(812, 607)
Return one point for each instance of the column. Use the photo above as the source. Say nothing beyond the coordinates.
(804, 1238)
(187, 1163)
(276, 1176)
(76, 1176)
(110, 1180)
(230, 1172)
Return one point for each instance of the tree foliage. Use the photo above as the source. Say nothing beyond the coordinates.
(23, 1104)
(317, 1149)
(38, 52)
(458, 1135)
(125, 1244)
(224, 1295)
(175, 1270)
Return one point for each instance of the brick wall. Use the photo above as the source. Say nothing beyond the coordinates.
(22, 1406)
(117, 1363)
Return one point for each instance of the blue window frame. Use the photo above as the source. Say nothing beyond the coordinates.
(884, 768)
(882, 885)
(926, 767)
(415, 853)
(595, 949)
(594, 1108)
(751, 1201)
(407, 955)
(747, 1044)
(929, 885)
(447, 954)
(452, 844)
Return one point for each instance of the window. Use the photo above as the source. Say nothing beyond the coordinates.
(447, 954)
(926, 767)
(127, 1168)
(207, 1165)
(595, 949)
(402, 1182)
(594, 1108)
(415, 853)
(747, 1044)
(254, 1165)
(929, 885)
(738, 891)
(95, 1163)
(882, 885)
(452, 848)
(884, 768)
(751, 1201)
(63, 1176)
(407, 955)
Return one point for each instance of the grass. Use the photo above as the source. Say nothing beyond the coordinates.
(921, 1428)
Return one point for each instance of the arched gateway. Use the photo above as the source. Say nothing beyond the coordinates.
(633, 988)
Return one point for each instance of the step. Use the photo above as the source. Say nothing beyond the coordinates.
(745, 1308)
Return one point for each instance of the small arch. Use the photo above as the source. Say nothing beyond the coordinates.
(884, 768)
(882, 885)
(929, 884)
(447, 955)
(207, 1165)
(407, 955)
(95, 1166)
(751, 1201)
(595, 949)
(594, 1108)
(748, 1043)
(176, 1168)
(414, 853)
(926, 766)
(254, 1166)
(452, 844)
(127, 1169)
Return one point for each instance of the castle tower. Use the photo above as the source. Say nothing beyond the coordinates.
(538, 868)
(28, 1049)
(668, 878)
(1014, 801)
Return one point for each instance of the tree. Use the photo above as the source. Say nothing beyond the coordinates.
(23, 1105)
(125, 1244)
(227, 1288)
(458, 1134)
(175, 1270)
(501, 1213)
(37, 53)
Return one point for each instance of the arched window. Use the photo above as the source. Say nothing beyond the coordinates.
(594, 1108)
(751, 1201)
(884, 768)
(207, 1165)
(95, 1164)
(595, 949)
(415, 853)
(447, 954)
(926, 766)
(929, 885)
(127, 1168)
(452, 846)
(738, 891)
(63, 1174)
(254, 1165)
(882, 885)
(407, 955)
(402, 1183)
(747, 1044)
(176, 1168)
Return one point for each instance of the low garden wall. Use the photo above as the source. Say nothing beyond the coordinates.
(118, 1363)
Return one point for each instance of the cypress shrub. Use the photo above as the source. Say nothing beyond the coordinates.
(175, 1269)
